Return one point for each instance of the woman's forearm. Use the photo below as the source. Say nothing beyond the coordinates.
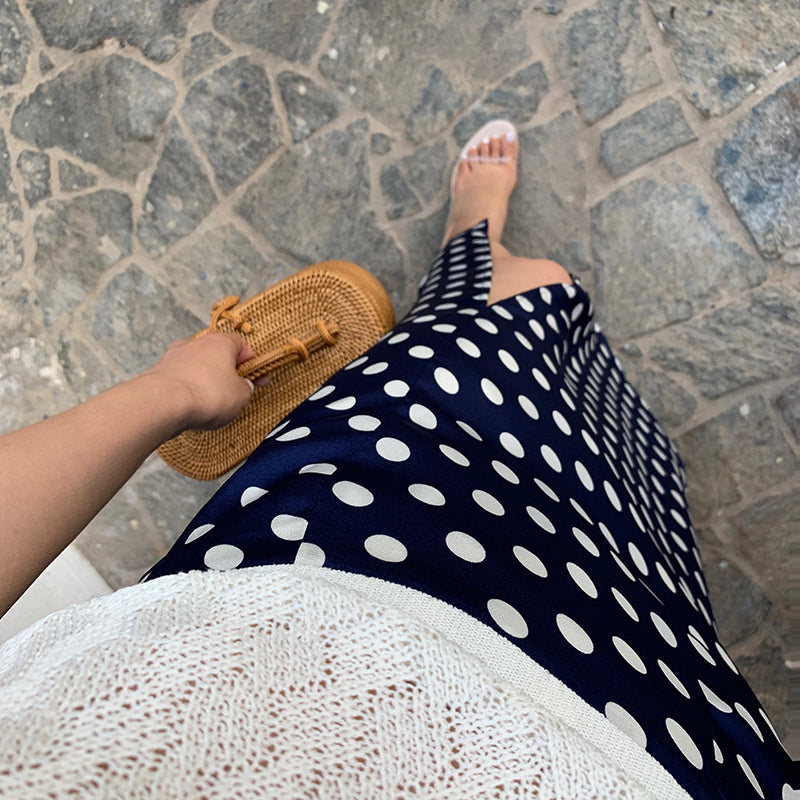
(56, 475)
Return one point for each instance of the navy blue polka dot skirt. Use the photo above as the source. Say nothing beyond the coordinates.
(496, 458)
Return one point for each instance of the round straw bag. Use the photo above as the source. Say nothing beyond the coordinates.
(304, 329)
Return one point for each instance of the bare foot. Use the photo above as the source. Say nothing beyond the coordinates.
(482, 188)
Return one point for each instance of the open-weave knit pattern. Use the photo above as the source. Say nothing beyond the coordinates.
(341, 296)
(242, 685)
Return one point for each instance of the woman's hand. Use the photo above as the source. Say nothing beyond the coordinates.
(204, 370)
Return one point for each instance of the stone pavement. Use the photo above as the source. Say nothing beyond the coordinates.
(156, 155)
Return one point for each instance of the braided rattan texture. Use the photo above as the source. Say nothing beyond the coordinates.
(340, 294)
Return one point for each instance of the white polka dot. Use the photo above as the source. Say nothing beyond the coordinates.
(714, 699)
(251, 494)
(750, 776)
(294, 434)
(528, 407)
(357, 363)
(423, 416)
(488, 503)
(583, 581)
(673, 678)
(787, 793)
(586, 542)
(323, 392)
(444, 327)
(289, 527)
(396, 388)
(352, 494)
(629, 654)
(664, 575)
(621, 719)
(429, 495)
(399, 337)
(507, 618)
(198, 532)
(540, 519)
(502, 312)
(524, 303)
(524, 341)
(638, 558)
(319, 469)
(584, 476)
(489, 327)
(223, 557)
(607, 534)
(446, 381)
(684, 743)
(363, 422)
(726, 658)
(454, 455)
(590, 443)
(505, 472)
(385, 548)
(748, 718)
(509, 362)
(310, 555)
(536, 327)
(465, 546)
(666, 632)
(547, 490)
(392, 449)
(530, 561)
(421, 351)
(544, 293)
(511, 444)
(612, 495)
(469, 429)
(717, 753)
(625, 604)
(550, 457)
(491, 391)
(574, 634)
(768, 724)
(540, 378)
(468, 347)
(562, 423)
(375, 369)
(702, 649)
(424, 318)
(551, 321)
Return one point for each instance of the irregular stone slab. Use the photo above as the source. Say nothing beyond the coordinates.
(290, 30)
(308, 106)
(11, 252)
(15, 44)
(86, 372)
(516, 99)
(752, 339)
(757, 169)
(772, 681)
(604, 56)
(71, 177)
(670, 403)
(649, 241)
(425, 169)
(740, 606)
(366, 56)
(136, 319)
(724, 52)
(34, 167)
(643, 136)
(314, 202)
(740, 450)
(76, 241)
(398, 198)
(179, 196)
(233, 119)
(788, 403)
(107, 111)
(45, 64)
(422, 240)
(204, 50)
(546, 216)
(154, 26)
(221, 262)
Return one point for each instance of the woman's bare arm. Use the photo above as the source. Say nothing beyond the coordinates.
(56, 475)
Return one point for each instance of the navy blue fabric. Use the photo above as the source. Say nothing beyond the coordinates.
(495, 457)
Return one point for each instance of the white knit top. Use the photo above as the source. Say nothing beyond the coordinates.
(296, 682)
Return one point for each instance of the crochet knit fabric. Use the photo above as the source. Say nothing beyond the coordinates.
(241, 685)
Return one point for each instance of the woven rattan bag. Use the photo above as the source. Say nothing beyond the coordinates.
(304, 329)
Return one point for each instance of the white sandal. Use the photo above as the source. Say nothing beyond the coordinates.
(497, 128)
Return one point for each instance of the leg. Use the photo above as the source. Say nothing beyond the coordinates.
(481, 191)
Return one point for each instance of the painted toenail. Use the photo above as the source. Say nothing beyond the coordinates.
(510, 136)
(486, 140)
